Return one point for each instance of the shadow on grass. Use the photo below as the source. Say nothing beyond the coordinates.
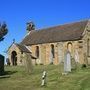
(4, 76)
(7, 74)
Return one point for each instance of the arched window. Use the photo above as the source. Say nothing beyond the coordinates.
(37, 51)
(88, 47)
(52, 51)
(69, 46)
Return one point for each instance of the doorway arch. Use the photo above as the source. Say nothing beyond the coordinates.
(14, 58)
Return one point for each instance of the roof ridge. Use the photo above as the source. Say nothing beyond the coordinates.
(70, 23)
(69, 31)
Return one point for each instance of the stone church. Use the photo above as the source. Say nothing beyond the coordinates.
(48, 45)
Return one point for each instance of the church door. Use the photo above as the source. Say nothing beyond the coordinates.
(14, 58)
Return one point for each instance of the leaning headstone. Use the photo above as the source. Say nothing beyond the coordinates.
(67, 62)
(1, 65)
(43, 78)
(28, 63)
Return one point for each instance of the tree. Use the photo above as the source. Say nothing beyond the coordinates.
(3, 31)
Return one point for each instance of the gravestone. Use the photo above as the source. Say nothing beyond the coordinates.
(51, 58)
(43, 78)
(76, 56)
(60, 58)
(1, 64)
(67, 62)
(73, 64)
(8, 61)
(28, 62)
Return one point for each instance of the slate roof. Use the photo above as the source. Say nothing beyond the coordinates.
(67, 32)
(22, 48)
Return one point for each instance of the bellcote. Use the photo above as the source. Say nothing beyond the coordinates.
(30, 26)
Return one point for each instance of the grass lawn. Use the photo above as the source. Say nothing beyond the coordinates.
(17, 79)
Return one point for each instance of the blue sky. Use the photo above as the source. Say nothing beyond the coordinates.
(44, 13)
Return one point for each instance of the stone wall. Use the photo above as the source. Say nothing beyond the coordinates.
(86, 44)
(19, 54)
(60, 48)
(77, 49)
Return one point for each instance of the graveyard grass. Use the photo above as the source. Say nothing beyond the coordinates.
(17, 79)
